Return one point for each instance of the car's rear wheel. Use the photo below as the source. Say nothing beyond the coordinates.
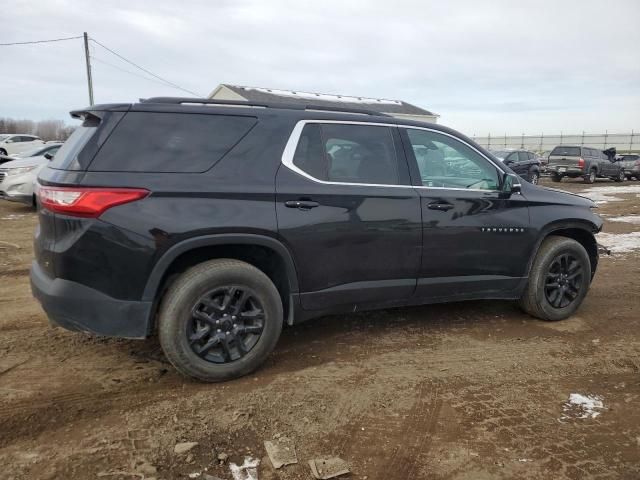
(591, 178)
(558, 281)
(556, 178)
(534, 177)
(220, 320)
(621, 177)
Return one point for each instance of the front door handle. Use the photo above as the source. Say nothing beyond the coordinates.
(301, 204)
(442, 206)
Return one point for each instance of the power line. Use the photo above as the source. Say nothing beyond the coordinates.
(99, 60)
(145, 70)
(40, 41)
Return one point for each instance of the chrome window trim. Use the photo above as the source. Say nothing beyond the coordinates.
(294, 138)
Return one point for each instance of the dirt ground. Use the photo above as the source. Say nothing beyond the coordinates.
(474, 390)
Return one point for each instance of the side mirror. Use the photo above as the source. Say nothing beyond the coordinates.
(511, 185)
(48, 156)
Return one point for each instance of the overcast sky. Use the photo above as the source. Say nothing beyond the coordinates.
(490, 66)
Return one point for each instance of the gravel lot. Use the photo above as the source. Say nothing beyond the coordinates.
(472, 390)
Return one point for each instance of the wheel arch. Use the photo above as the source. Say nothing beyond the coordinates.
(265, 253)
(582, 231)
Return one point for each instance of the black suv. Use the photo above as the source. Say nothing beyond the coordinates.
(214, 223)
(523, 162)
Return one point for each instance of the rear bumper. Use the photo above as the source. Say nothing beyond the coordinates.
(566, 171)
(79, 308)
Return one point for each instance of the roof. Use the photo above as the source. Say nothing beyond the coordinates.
(259, 94)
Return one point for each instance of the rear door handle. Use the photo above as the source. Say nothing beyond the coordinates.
(442, 206)
(301, 204)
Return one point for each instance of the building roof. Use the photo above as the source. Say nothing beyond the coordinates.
(258, 94)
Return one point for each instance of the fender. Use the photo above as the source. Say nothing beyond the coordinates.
(556, 225)
(161, 266)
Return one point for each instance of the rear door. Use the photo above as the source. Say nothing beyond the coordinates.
(347, 211)
(476, 242)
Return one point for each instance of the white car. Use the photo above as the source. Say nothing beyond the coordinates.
(18, 178)
(16, 143)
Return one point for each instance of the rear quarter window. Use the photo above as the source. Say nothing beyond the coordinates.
(170, 142)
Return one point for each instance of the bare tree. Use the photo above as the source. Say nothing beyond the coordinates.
(46, 129)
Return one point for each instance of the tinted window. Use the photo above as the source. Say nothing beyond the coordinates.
(531, 156)
(523, 156)
(446, 162)
(70, 149)
(168, 142)
(566, 151)
(347, 153)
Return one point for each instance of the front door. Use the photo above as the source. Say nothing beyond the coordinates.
(347, 211)
(476, 241)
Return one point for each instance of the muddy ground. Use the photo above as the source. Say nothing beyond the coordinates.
(472, 390)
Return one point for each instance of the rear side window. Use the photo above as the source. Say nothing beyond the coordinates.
(65, 157)
(170, 142)
(348, 154)
(523, 156)
(566, 151)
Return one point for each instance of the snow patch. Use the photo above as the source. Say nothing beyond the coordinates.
(620, 242)
(582, 406)
(625, 219)
(324, 96)
(247, 471)
(606, 194)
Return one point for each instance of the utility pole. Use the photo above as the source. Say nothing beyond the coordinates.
(89, 79)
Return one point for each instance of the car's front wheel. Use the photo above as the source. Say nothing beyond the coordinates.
(556, 178)
(220, 320)
(558, 281)
(3, 152)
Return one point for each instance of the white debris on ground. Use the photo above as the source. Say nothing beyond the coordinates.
(247, 471)
(582, 406)
(607, 194)
(13, 216)
(625, 219)
(620, 242)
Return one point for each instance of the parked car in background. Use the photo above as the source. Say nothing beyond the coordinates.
(16, 143)
(589, 163)
(523, 162)
(50, 147)
(631, 165)
(544, 161)
(349, 210)
(18, 177)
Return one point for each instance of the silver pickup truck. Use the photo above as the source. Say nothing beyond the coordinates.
(588, 163)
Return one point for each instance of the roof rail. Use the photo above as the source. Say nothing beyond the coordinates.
(239, 103)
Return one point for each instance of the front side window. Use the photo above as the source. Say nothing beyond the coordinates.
(347, 153)
(446, 162)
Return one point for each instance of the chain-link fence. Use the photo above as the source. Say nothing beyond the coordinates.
(623, 142)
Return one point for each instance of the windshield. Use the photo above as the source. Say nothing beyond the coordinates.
(33, 152)
(501, 154)
(566, 151)
(4, 137)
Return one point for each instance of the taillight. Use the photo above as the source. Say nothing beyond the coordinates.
(86, 202)
(581, 162)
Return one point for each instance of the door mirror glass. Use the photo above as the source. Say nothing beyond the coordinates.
(511, 184)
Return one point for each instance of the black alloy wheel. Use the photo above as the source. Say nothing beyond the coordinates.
(226, 323)
(564, 280)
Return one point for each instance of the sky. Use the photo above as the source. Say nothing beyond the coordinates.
(485, 67)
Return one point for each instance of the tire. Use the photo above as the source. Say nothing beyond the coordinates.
(3, 152)
(621, 177)
(538, 299)
(215, 281)
(591, 178)
(534, 177)
(556, 178)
